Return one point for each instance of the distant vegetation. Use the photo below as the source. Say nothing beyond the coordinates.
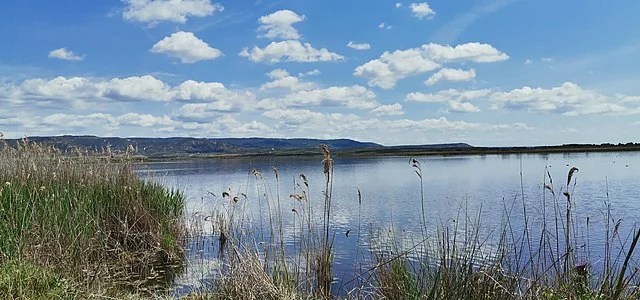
(186, 147)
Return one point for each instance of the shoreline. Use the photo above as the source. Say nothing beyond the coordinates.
(406, 151)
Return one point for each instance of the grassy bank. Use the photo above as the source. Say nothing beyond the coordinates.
(76, 226)
(540, 252)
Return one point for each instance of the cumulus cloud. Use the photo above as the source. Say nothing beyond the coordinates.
(448, 95)
(355, 96)
(384, 26)
(307, 122)
(358, 46)
(462, 107)
(68, 122)
(129, 89)
(289, 51)
(313, 72)
(627, 99)
(65, 54)
(398, 5)
(456, 100)
(281, 79)
(447, 74)
(279, 25)
(202, 112)
(474, 52)
(560, 99)
(101, 122)
(146, 120)
(207, 92)
(135, 89)
(57, 88)
(388, 110)
(186, 47)
(422, 10)
(176, 11)
(385, 71)
(568, 99)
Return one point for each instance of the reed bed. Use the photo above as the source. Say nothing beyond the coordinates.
(81, 225)
(540, 252)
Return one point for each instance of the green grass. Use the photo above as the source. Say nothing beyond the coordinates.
(81, 219)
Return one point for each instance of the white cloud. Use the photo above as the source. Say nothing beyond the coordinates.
(289, 51)
(422, 10)
(129, 89)
(627, 99)
(384, 26)
(186, 47)
(462, 107)
(474, 52)
(207, 92)
(282, 80)
(355, 96)
(310, 123)
(456, 100)
(358, 46)
(57, 88)
(252, 128)
(65, 54)
(135, 89)
(398, 5)
(448, 95)
(528, 62)
(280, 25)
(447, 74)
(385, 71)
(68, 123)
(388, 110)
(146, 120)
(202, 112)
(547, 59)
(177, 11)
(568, 99)
(313, 72)
(277, 73)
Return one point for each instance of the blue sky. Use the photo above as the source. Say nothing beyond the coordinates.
(492, 72)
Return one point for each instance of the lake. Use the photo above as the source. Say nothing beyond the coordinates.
(455, 188)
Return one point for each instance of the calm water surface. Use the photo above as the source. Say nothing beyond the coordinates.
(487, 185)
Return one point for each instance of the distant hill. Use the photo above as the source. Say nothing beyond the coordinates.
(179, 146)
(182, 147)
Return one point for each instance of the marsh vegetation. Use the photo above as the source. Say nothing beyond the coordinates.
(78, 226)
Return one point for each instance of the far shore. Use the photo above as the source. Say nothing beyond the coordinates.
(408, 151)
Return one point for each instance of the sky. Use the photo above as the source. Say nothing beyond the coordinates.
(484, 72)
